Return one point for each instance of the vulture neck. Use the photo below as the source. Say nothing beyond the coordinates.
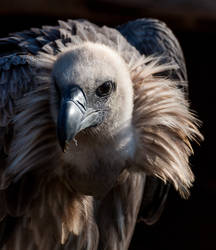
(93, 165)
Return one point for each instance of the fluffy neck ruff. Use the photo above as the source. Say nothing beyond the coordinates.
(165, 125)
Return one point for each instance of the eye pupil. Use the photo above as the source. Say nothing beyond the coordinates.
(105, 89)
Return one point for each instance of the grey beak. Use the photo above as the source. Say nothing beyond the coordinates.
(74, 115)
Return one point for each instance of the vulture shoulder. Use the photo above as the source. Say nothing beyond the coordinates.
(153, 37)
(16, 79)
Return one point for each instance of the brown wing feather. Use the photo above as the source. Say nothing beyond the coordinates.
(16, 79)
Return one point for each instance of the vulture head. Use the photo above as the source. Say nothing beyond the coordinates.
(94, 90)
(93, 103)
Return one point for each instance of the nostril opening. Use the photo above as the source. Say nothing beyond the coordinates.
(81, 104)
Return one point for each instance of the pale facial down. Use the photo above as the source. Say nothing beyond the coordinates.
(93, 94)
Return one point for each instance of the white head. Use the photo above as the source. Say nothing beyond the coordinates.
(93, 93)
(100, 77)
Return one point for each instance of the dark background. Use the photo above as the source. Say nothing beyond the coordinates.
(184, 224)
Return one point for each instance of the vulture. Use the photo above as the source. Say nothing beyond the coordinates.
(95, 126)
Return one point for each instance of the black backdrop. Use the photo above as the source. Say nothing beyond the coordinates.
(184, 224)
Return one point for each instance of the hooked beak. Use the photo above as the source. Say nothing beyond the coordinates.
(74, 115)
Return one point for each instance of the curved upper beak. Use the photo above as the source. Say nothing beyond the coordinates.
(74, 115)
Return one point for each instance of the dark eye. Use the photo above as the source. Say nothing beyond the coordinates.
(105, 89)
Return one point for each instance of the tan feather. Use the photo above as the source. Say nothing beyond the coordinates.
(164, 125)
